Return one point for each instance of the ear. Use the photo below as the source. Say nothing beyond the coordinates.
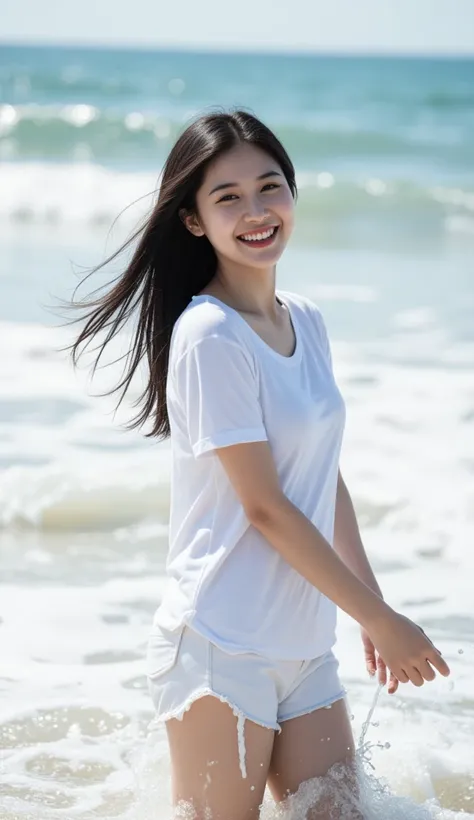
(191, 222)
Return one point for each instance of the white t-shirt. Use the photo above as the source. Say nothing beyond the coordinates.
(226, 386)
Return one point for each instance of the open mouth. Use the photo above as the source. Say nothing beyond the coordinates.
(260, 240)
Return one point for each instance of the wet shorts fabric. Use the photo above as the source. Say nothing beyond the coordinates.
(183, 666)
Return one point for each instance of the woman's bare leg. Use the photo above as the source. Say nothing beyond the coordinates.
(206, 768)
(306, 748)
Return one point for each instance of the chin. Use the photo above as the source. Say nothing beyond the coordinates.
(263, 262)
(261, 259)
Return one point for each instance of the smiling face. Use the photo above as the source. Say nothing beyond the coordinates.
(255, 202)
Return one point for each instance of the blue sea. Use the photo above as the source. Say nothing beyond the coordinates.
(384, 243)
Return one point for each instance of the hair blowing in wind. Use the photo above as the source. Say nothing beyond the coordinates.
(169, 265)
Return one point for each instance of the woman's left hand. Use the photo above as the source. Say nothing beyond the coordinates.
(375, 663)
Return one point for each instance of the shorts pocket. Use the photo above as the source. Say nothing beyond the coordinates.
(162, 650)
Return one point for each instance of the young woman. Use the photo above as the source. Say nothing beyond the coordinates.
(264, 544)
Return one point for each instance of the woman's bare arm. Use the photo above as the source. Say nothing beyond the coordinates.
(407, 652)
(347, 540)
(252, 472)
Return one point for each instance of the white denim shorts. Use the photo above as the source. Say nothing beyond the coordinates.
(182, 666)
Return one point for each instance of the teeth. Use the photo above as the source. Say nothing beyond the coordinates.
(258, 236)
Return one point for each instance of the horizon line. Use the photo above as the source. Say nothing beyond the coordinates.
(257, 49)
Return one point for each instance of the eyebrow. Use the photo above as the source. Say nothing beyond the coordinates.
(235, 184)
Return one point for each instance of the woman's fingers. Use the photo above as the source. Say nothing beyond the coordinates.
(409, 654)
(439, 663)
(423, 670)
(371, 666)
(402, 676)
(392, 684)
(382, 670)
(415, 676)
(426, 671)
(435, 657)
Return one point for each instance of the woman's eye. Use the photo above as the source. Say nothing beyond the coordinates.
(229, 197)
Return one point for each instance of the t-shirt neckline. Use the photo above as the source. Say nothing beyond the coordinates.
(288, 360)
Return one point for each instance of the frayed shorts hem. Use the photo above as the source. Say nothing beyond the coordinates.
(179, 712)
(325, 704)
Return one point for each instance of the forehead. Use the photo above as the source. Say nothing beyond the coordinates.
(239, 163)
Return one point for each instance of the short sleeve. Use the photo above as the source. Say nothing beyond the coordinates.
(217, 389)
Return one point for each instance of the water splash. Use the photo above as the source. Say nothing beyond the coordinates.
(371, 799)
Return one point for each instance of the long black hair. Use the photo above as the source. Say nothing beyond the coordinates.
(169, 264)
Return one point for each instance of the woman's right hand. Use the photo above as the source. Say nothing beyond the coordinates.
(405, 649)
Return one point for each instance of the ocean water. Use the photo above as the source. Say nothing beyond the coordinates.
(384, 242)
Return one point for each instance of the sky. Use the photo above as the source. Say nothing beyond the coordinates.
(414, 26)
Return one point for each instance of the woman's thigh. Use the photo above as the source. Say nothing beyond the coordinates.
(307, 747)
(206, 765)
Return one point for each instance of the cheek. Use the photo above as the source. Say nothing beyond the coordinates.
(289, 214)
(286, 210)
(222, 225)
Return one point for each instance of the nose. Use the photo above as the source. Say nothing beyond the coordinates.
(257, 212)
